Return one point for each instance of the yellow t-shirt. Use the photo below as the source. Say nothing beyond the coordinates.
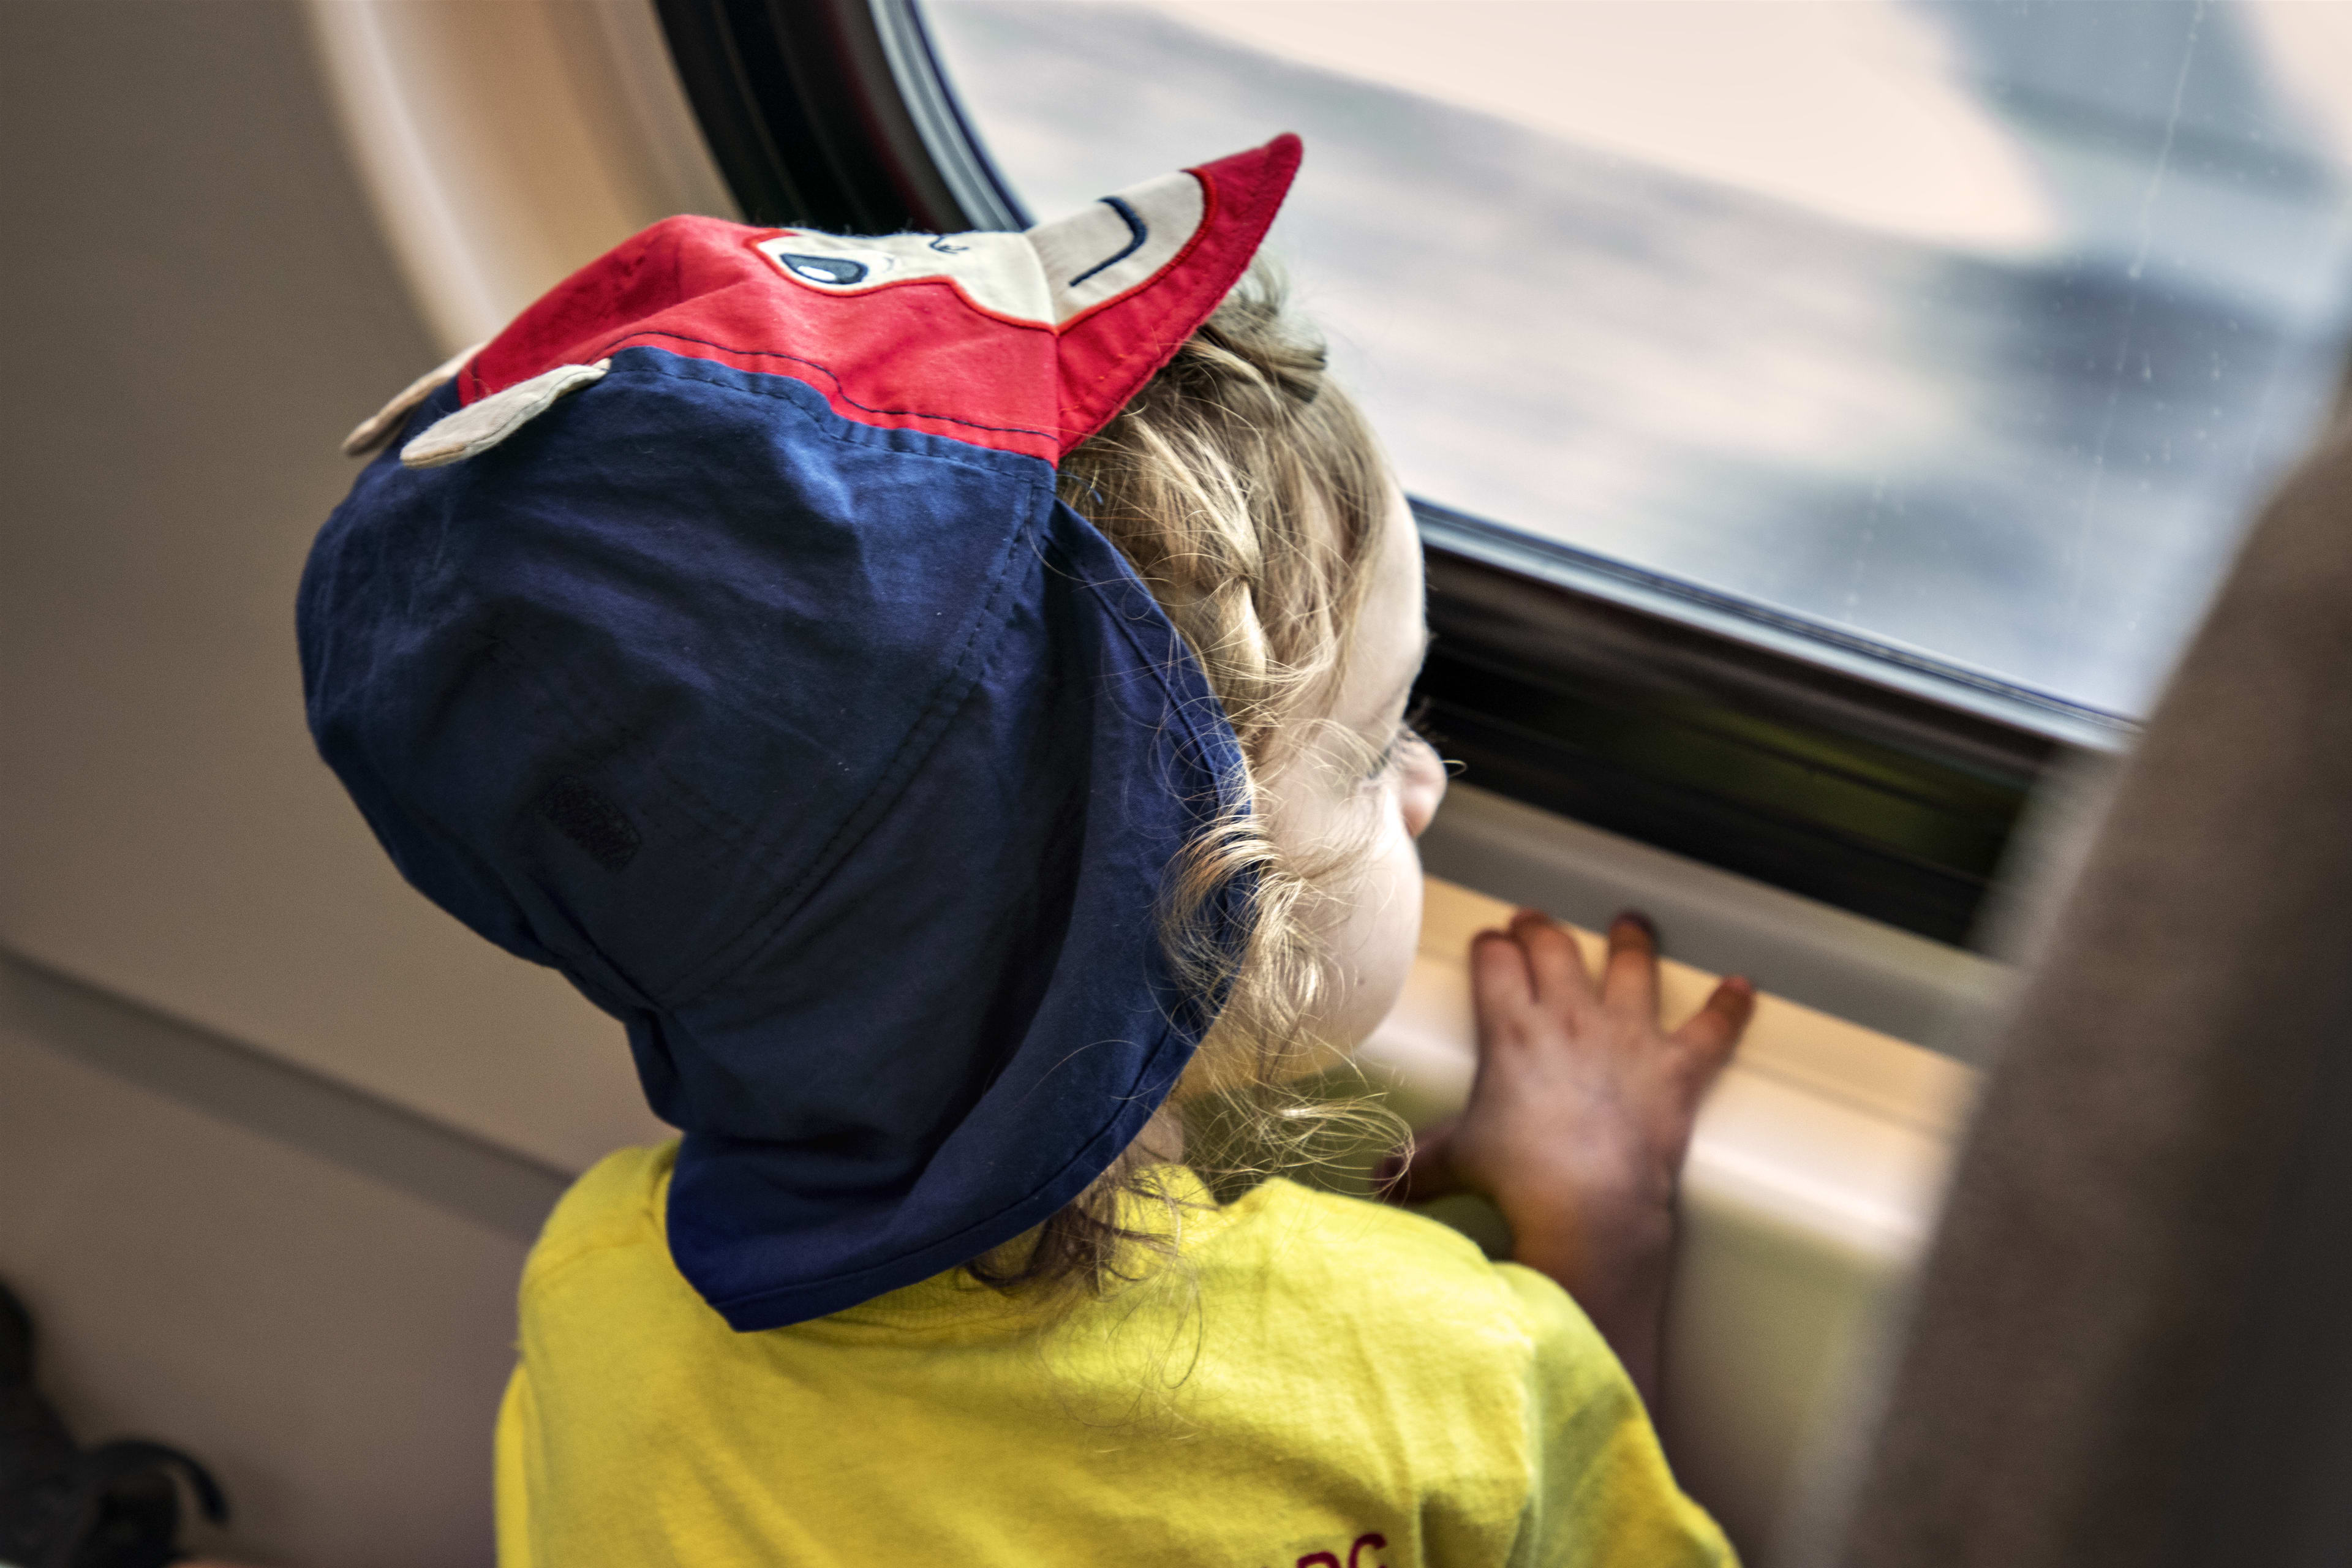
(1317, 1382)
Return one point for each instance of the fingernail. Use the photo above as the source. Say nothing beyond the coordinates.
(1740, 983)
(1640, 923)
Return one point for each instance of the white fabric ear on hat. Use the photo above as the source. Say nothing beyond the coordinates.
(1102, 250)
(377, 428)
(478, 427)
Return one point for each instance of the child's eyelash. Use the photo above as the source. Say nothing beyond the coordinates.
(1407, 732)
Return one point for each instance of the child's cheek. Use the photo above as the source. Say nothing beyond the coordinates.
(1375, 944)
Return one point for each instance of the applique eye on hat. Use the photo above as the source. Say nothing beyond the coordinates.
(714, 634)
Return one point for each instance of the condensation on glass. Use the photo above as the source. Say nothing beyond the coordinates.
(1977, 326)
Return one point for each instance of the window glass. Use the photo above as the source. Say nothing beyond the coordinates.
(1974, 327)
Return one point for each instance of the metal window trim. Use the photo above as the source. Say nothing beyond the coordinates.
(832, 114)
(1915, 672)
(964, 167)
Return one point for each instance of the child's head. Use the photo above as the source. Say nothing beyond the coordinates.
(717, 636)
(1255, 503)
(1254, 500)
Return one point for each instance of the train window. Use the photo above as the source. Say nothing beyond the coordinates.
(1823, 417)
(1962, 333)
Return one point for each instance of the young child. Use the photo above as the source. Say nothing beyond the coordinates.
(945, 695)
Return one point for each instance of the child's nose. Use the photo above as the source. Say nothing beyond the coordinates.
(1423, 787)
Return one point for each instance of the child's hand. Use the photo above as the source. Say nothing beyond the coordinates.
(1581, 1116)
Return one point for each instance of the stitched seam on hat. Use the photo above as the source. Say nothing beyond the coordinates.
(1149, 659)
(591, 715)
(896, 774)
(848, 431)
(946, 698)
(590, 722)
(615, 346)
(829, 423)
(586, 711)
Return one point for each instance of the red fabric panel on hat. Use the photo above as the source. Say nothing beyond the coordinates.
(915, 355)
(1107, 354)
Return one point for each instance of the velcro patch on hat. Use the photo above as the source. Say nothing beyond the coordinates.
(478, 427)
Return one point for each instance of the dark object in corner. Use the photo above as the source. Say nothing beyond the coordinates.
(62, 1506)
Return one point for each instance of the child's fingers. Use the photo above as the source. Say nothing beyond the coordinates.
(1419, 1171)
(1555, 964)
(1715, 1028)
(1629, 976)
(1498, 972)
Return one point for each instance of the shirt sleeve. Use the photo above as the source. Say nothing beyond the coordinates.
(517, 1420)
(1603, 1496)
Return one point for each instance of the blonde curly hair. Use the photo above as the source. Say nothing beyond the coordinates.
(1250, 495)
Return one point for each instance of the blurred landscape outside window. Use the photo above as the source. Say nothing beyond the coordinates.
(1976, 328)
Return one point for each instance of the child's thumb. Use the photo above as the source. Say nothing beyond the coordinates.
(1419, 1170)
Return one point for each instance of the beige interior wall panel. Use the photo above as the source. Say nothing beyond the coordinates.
(201, 306)
(332, 1348)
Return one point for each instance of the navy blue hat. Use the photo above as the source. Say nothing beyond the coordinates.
(716, 637)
